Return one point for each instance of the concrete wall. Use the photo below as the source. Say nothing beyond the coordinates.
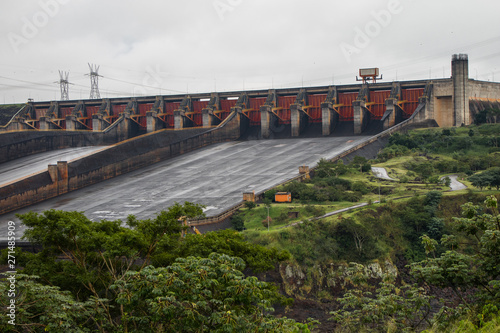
(482, 89)
(447, 108)
(23, 143)
(441, 103)
(121, 158)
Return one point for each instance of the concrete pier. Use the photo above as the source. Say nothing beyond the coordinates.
(151, 121)
(361, 116)
(265, 120)
(296, 116)
(460, 76)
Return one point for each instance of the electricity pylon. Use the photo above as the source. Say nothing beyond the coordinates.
(64, 85)
(94, 82)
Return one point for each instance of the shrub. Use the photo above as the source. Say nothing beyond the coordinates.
(250, 204)
(315, 210)
(238, 222)
(361, 187)
(270, 194)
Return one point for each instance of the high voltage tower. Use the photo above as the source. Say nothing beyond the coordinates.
(94, 82)
(64, 85)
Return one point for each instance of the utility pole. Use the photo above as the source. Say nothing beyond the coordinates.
(64, 85)
(94, 81)
(267, 218)
(379, 200)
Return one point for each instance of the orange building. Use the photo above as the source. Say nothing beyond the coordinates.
(283, 197)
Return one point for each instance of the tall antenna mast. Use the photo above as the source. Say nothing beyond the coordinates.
(64, 85)
(94, 82)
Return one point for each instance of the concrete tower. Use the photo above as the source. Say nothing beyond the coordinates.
(460, 76)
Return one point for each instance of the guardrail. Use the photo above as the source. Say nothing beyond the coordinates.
(217, 218)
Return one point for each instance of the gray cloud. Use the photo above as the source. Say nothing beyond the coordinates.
(202, 45)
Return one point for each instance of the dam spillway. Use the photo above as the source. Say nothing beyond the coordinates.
(215, 176)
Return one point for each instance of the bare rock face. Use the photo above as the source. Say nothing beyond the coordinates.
(294, 274)
(330, 278)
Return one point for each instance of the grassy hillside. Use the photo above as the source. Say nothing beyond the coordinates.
(7, 111)
(417, 161)
(416, 205)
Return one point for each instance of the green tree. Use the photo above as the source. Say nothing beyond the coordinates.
(92, 260)
(229, 242)
(250, 205)
(434, 179)
(40, 308)
(270, 194)
(431, 201)
(98, 253)
(356, 241)
(340, 168)
(200, 295)
(471, 269)
(435, 228)
(480, 180)
(324, 168)
(238, 222)
(424, 170)
(361, 187)
(388, 309)
(447, 181)
(488, 178)
(361, 163)
(494, 175)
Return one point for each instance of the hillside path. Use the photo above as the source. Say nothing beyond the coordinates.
(455, 185)
(381, 173)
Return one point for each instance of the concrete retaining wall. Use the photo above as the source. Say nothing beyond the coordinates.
(121, 158)
(18, 144)
(482, 89)
(23, 143)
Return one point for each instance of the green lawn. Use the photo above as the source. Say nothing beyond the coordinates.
(256, 218)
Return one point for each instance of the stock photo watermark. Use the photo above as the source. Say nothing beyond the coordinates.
(31, 26)
(363, 36)
(150, 82)
(11, 273)
(222, 7)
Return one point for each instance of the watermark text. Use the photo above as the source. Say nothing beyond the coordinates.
(11, 278)
(31, 26)
(363, 36)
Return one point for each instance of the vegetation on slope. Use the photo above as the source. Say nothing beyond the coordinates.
(418, 206)
(102, 276)
(99, 276)
(470, 269)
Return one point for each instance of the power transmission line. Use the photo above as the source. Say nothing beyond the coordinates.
(94, 82)
(64, 85)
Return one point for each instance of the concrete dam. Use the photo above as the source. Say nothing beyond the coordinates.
(207, 146)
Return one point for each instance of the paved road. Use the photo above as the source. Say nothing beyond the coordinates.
(25, 166)
(335, 212)
(381, 173)
(215, 176)
(455, 185)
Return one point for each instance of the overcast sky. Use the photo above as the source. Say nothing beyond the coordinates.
(153, 47)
